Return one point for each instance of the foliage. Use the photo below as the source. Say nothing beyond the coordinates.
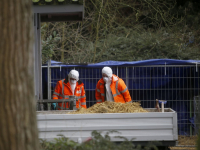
(49, 43)
(126, 30)
(97, 142)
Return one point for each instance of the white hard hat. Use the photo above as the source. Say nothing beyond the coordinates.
(107, 71)
(74, 74)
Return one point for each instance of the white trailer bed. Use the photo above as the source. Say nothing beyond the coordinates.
(143, 127)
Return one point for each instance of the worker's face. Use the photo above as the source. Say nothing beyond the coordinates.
(72, 81)
(104, 75)
(105, 78)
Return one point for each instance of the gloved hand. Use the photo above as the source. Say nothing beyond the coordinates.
(53, 106)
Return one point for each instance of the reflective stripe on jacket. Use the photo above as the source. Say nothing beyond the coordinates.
(64, 93)
(119, 90)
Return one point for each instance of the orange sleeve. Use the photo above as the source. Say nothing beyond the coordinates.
(57, 91)
(83, 98)
(124, 91)
(98, 94)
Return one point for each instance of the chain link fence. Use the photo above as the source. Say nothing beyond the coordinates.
(177, 84)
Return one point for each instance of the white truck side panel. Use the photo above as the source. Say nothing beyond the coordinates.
(151, 126)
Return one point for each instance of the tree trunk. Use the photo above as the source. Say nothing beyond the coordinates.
(18, 126)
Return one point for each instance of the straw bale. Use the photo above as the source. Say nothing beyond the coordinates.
(112, 107)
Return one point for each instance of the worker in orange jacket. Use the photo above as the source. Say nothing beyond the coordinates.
(111, 88)
(70, 86)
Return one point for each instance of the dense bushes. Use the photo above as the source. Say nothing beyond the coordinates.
(126, 30)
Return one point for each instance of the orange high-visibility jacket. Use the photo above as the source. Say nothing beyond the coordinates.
(63, 91)
(119, 90)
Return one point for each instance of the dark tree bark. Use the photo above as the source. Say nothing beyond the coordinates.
(18, 126)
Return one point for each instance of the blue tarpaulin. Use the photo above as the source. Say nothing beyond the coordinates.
(149, 62)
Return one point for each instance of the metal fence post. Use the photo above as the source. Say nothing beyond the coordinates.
(49, 83)
(127, 77)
